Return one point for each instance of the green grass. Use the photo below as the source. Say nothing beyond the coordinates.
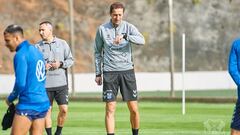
(87, 118)
(228, 93)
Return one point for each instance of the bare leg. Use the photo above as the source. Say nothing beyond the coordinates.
(62, 115)
(21, 125)
(48, 120)
(37, 127)
(109, 116)
(235, 132)
(134, 114)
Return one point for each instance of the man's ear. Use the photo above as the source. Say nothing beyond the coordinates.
(18, 38)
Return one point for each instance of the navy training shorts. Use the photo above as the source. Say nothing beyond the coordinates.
(31, 114)
(235, 124)
(123, 80)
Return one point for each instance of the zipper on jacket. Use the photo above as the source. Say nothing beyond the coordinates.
(50, 47)
(115, 28)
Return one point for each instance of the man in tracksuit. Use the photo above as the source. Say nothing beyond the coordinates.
(234, 70)
(29, 87)
(113, 59)
(58, 58)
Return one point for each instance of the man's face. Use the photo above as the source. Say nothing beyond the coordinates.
(45, 31)
(116, 16)
(10, 41)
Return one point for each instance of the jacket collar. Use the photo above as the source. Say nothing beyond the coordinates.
(53, 41)
(114, 26)
(25, 42)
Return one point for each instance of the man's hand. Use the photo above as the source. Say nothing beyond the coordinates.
(98, 80)
(118, 39)
(48, 66)
(56, 64)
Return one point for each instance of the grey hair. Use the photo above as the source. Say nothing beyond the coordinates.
(49, 24)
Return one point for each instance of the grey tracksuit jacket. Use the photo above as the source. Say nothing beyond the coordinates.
(57, 50)
(115, 57)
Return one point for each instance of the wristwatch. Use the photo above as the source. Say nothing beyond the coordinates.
(125, 36)
(61, 64)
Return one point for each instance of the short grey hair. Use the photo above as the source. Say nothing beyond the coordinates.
(48, 23)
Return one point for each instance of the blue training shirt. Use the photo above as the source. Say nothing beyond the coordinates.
(30, 78)
(234, 63)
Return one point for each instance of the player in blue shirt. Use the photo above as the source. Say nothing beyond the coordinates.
(29, 87)
(233, 68)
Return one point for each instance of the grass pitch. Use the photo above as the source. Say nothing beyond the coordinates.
(87, 118)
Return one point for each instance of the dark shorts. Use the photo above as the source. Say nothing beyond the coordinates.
(235, 124)
(60, 94)
(31, 114)
(123, 80)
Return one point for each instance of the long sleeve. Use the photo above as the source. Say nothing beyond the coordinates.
(20, 67)
(233, 64)
(68, 58)
(98, 53)
(135, 36)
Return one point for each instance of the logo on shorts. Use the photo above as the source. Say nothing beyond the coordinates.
(134, 93)
(67, 98)
(40, 71)
(108, 94)
(24, 114)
